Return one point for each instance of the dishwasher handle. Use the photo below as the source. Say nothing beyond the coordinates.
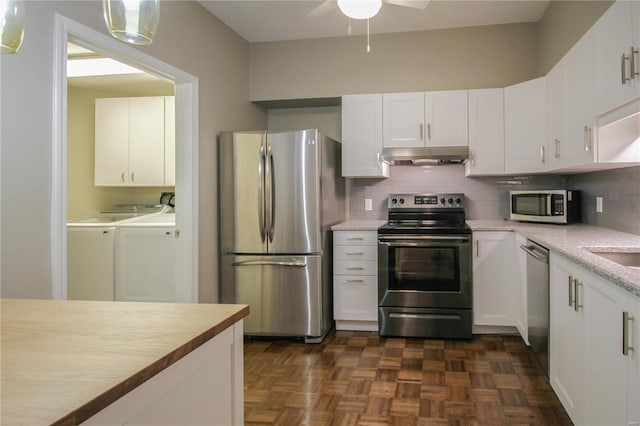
(531, 250)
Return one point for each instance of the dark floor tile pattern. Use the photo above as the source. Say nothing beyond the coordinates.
(359, 378)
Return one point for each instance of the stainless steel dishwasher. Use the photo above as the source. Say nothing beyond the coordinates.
(538, 301)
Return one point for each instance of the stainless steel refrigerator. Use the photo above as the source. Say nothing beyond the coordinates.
(279, 194)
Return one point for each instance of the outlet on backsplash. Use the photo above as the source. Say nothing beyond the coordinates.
(368, 204)
(598, 204)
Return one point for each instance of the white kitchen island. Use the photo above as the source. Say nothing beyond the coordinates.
(73, 362)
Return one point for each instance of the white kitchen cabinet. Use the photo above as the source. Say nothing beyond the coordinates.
(556, 144)
(525, 126)
(169, 141)
(633, 372)
(494, 278)
(592, 377)
(145, 264)
(403, 120)
(486, 132)
(90, 263)
(362, 136)
(614, 39)
(355, 280)
(130, 142)
(447, 118)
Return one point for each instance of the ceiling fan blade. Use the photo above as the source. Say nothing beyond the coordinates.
(323, 9)
(415, 4)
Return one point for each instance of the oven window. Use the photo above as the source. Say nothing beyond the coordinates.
(424, 269)
(529, 204)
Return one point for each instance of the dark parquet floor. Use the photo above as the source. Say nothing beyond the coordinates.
(360, 378)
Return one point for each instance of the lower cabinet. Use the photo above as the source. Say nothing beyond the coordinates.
(595, 378)
(495, 278)
(90, 263)
(355, 280)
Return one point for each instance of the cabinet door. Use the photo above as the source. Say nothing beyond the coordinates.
(633, 362)
(169, 141)
(145, 265)
(362, 136)
(403, 120)
(486, 132)
(355, 298)
(525, 126)
(556, 140)
(613, 39)
(606, 373)
(567, 365)
(493, 278)
(90, 263)
(112, 142)
(146, 141)
(447, 118)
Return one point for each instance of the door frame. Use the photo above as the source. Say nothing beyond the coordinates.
(186, 98)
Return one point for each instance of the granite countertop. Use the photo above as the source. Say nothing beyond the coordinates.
(573, 241)
(63, 361)
(359, 225)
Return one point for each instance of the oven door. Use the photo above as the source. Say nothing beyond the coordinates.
(424, 271)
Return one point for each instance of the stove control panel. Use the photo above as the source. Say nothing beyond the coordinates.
(425, 201)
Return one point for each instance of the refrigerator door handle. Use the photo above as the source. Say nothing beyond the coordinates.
(261, 198)
(271, 197)
(269, 263)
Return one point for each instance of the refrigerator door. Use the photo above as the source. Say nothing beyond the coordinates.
(283, 293)
(292, 192)
(241, 192)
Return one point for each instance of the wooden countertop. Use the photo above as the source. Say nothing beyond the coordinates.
(63, 361)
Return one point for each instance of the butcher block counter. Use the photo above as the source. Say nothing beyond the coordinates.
(69, 362)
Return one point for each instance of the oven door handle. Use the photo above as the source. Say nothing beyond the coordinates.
(388, 239)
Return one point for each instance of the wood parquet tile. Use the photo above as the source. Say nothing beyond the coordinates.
(360, 378)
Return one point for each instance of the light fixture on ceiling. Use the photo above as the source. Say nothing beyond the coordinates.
(132, 21)
(360, 9)
(12, 25)
(91, 67)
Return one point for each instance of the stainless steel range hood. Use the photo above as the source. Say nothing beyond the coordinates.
(426, 155)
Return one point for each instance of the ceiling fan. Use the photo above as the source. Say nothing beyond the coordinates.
(363, 9)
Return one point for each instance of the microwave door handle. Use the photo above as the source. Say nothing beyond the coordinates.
(549, 205)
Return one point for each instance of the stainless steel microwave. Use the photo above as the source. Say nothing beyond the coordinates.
(546, 206)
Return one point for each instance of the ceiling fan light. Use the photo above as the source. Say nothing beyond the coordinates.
(12, 18)
(132, 21)
(360, 9)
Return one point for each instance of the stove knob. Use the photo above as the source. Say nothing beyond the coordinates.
(458, 200)
(442, 200)
(450, 200)
(393, 201)
(401, 200)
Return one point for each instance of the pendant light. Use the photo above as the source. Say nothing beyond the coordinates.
(132, 21)
(12, 25)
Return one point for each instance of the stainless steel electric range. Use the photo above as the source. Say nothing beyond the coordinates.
(424, 268)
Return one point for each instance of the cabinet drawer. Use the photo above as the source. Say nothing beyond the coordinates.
(355, 238)
(355, 298)
(355, 253)
(358, 267)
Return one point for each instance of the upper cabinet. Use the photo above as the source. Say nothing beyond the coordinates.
(432, 119)
(525, 126)
(486, 132)
(362, 136)
(617, 62)
(130, 142)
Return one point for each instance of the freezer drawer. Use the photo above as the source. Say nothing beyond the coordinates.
(284, 293)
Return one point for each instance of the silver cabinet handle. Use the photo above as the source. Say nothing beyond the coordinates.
(626, 319)
(356, 253)
(623, 69)
(632, 62)
(122, 177)
(133, 177)
(577, 305)
(571, 295)
(542, 153)
(557, 155)
(355, 239)
(472, 157)
(355, 281)
(587, 138)
(421, 132)
(355, 268)
(477, 248)
(429, 131)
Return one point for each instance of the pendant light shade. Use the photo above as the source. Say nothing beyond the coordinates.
(12, 25)
(132, 21)
(360, 9)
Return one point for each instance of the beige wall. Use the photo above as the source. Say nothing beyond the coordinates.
(327, 119)
(190, 39)
(477, 57)
(561, 26)
(84, 199)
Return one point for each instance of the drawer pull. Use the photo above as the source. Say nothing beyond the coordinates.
(355, 239)
(356, 253)
(355, 268)
(626, 346)
(355, 281)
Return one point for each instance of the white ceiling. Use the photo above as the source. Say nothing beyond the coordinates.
(276, 20)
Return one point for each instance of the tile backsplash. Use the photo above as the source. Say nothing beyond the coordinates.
(488, 197)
